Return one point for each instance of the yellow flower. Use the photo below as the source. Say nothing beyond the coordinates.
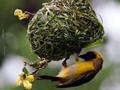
(25, 79)
(20, 14)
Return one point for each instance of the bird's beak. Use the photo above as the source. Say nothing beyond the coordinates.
(83, 56)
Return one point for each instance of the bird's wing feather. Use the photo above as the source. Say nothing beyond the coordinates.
(81, 79)
(98, 64)
(48, 77)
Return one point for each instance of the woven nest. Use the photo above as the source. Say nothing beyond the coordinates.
(62, 27)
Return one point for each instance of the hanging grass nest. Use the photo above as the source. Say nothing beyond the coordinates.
(62, 27)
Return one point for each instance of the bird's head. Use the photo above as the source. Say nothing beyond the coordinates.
(91, 55)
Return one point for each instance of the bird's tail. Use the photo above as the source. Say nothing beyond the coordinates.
(47, 77)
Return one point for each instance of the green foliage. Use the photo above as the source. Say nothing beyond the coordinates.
(117, 1)
(25, 71)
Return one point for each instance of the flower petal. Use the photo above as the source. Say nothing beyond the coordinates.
(27, 84)
(21, 74)
(18, 81)
(20, 14)
(30, 78)
(17, 12)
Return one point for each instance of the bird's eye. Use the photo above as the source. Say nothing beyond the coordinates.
(91, 55)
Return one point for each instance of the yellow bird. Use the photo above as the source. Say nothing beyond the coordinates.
(79, 72)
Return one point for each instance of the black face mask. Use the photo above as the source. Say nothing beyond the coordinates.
(88, 56)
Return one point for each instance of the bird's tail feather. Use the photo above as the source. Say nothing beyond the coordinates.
(47, 77)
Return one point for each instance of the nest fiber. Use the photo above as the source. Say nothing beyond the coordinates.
(62, 27)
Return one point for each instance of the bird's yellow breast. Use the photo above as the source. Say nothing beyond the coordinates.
(76, 69)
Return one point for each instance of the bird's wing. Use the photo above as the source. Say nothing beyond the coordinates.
(81, 79)
(98, 64)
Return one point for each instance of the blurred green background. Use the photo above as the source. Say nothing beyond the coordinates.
(14, 47)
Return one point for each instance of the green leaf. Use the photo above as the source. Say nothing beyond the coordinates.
(25, 71)
(94, 44)
(99, 41)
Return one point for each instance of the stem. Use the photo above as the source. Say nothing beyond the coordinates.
(38, 65)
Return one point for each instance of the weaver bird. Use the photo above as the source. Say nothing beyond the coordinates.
(79, 72)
